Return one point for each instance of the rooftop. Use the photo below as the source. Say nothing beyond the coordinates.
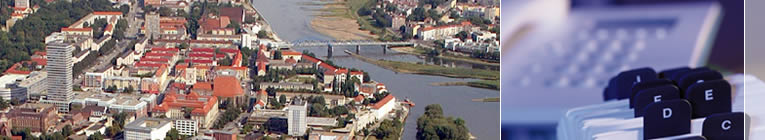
(227, 86)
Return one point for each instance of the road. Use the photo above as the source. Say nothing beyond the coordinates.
(131, 32)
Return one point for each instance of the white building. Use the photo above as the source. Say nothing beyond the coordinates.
(384, 106)
(10, 89)
(60, 74)
(186, 127)
(35, 83)
(148, 129)
(296, 118)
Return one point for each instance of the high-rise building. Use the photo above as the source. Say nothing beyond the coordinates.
(296, 118)
(59, 74)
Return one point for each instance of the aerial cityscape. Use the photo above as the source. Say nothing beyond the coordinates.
(258, 69)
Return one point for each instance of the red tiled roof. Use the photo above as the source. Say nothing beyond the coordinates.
(261, 103)
(109, 27)
(383, 101)
(227, 86)
(202, 49)
(327, 66)
(290, 60)
(341, 71)
(202, 86)
(261, 67)
(200, 107)
(229, 50)
(291, 53)
(310, 59)
(357, 73)
(164, 49)
(13, 70)
(159, 54)
(359, 98)
(201, 61)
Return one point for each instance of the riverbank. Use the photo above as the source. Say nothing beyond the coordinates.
(492, 99)
(339, 21)
(425, 69)
(266, 26)
(487, 84)
(422, 51)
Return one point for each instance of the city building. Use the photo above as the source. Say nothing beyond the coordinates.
(36, 84)
(297, 118)
(186, 127)
(147, 129)
(36, 117)
(444, 31)
(384, 106)
(59, 74)
(10, 88)
(204, 109)
(228, 87)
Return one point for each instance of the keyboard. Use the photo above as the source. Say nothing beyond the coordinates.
(561, 65)
(679, 103)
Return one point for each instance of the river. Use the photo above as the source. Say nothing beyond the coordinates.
(291, 22)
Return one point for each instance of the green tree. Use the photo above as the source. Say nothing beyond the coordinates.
(282, 99)
(433, 125)
(96, 136)
(262, 34)
(67, 130)
(277, 54)
(173, 134)
(462, 35)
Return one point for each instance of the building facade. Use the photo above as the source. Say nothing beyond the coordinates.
(60, 74)
(147, 129)
(36, 117)
(296, 118)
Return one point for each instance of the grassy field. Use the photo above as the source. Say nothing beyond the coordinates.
(488, 84)
(491, 99)
(426, 69)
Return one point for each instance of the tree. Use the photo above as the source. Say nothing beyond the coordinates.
(262, 34)
(183, 45)
(282, 99)
(433, 125)
(164, 11)
(225, 61)
(96, 136)
(173, 134)
(462, 35)
(67, 130)
(4, 104)
(388, 129)
(277, 54)
(120, 27)
(124, 9)
(129, 89)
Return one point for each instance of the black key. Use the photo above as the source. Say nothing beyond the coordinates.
(676, 77)
(646, 85)
(710, 97)
(667, 118)
(651, 95)
(667, 74)
(625, 80)
(697, 77)
(726, 126)
(608, 93)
